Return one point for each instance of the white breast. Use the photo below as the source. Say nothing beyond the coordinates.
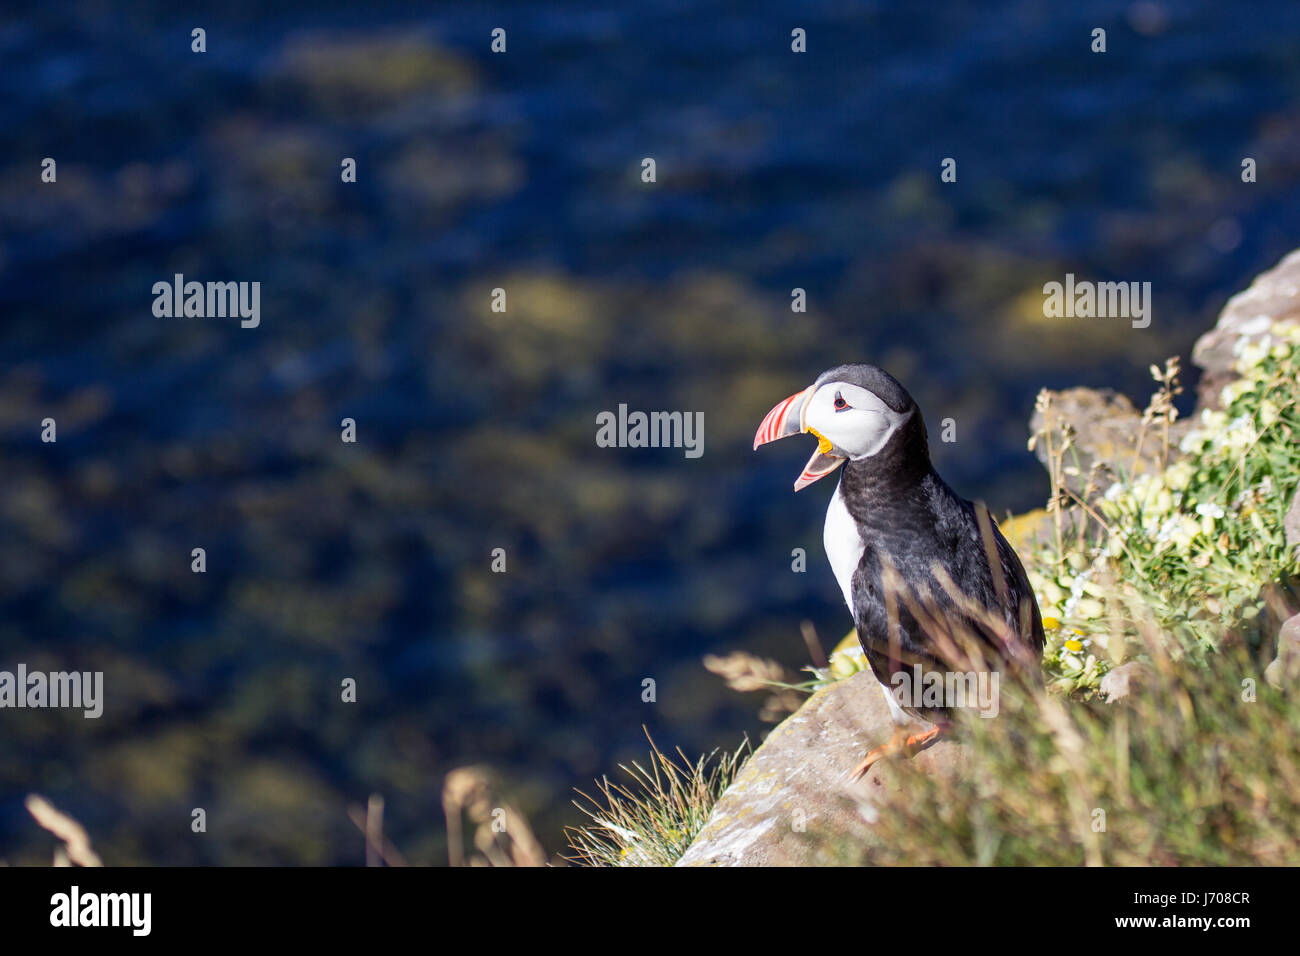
(843, 545)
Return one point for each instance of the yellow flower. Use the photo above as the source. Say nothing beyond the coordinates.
(1074, 645)
(1052, 624)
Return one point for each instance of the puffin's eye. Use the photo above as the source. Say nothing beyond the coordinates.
(840, 403)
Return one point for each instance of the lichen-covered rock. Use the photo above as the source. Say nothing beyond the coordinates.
(1272, 300)
(1038, 525)
(1284, 672)
(1105, 428)
(1291, 523)
(793, 803)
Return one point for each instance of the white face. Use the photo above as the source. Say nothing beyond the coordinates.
(853, 419)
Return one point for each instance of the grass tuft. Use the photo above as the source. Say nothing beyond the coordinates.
(1199, 767)
(654, 817)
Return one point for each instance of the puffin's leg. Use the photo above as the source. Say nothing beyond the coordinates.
(909, 745)
(903, 741)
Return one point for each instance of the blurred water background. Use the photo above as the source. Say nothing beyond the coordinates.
(476, 429)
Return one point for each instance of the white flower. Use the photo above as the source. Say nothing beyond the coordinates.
(1234, 390)
(1213, 420)
(1146, 488)
(1076, 592)
(1252, 353)
(1209, 508)
(1237, 436)
(1193, 442)
(1178, 532)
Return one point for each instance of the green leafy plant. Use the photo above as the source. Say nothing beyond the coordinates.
(1195, 546)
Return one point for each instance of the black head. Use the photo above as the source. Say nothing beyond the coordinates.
(859, 414)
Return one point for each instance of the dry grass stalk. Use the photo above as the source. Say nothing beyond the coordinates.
(746, 673)
(370, 822)
(501, 834)
(76, 849)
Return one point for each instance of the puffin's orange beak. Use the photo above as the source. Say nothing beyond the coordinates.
(788, 418)
(785, 419)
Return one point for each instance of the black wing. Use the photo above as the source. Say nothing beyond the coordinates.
(917, 615)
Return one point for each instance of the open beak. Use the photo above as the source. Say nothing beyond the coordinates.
(788, 418)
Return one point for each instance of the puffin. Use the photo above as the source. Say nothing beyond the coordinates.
(930, 581)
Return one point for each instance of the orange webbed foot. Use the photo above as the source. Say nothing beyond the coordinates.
(908, 745)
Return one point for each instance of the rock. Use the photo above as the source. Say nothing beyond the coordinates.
(1106, 428)
(1124, 681)
(1039, 525)
(1284, 672)
(1272, 300)
(1291, 523)
(793, 805)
